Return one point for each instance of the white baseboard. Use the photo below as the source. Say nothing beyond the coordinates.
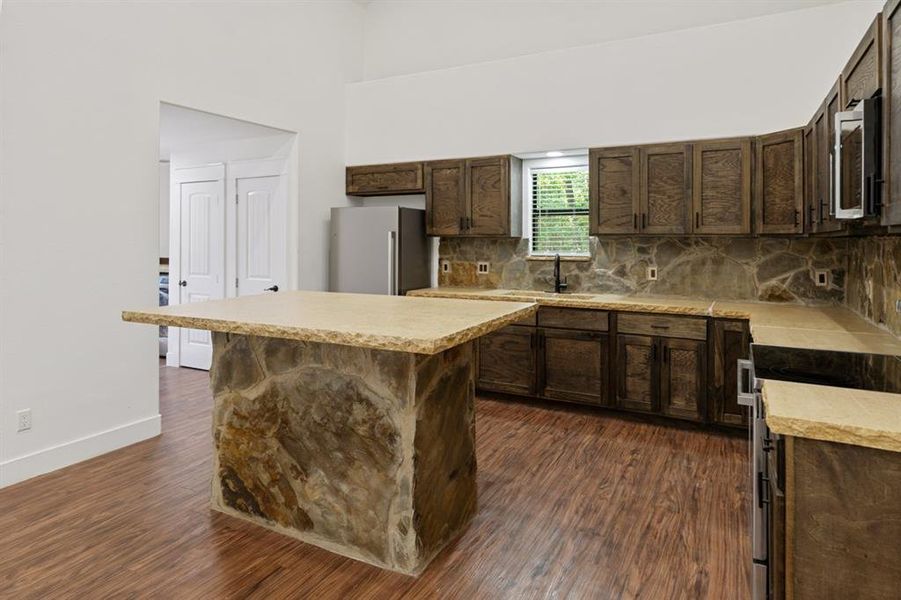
(56, 457)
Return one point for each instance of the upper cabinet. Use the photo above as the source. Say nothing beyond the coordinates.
(891, 113)
(779, 182)
(665, 188)
(445, 193)
(721, 190)
(640, 189)
(862, 76)
(613, 180)
(383, 180)
(478, 197)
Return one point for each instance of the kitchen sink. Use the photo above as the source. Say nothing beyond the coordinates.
(540, 294)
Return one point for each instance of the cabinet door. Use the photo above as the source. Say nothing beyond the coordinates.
(574, 366)
(636, 372)
(665, 198)
(810, 176)
(507, 361)
(683, 378)
(614, 175)
(862, 76)
(831, 105)
(731, 342)
(779, 182)
(380, 180)
(891, 114)
(488, 196)
(445, 194)
(721, 186)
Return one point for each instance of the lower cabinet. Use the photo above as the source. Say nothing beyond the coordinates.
(731, 341)
(658, 364)
(573, 366)
(661, 375)
(636, 372)
(507, 361)
(683, 378)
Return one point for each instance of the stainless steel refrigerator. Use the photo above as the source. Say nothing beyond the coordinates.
(378, 250)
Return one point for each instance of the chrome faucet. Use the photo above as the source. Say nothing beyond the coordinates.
(559, 286)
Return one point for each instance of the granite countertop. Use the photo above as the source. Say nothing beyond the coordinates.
(400, 323)
(861, 418)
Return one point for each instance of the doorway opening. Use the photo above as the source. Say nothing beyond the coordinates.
(225, 231)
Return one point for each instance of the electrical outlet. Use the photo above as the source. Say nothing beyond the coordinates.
(445, 266)
(482, 268)
(652, 273)
(821, 277)
(898, 305)
(24, 420)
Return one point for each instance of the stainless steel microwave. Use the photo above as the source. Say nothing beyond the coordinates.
(857, 158)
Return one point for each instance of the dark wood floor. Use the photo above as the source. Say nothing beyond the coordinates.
(573, 504)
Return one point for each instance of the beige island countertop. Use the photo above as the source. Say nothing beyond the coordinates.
(858, 417)
(400, 323)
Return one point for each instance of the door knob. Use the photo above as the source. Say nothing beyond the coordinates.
(272, 289)
(183, 283)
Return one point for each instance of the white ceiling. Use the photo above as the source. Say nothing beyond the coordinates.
(180, 126)
(412, 36)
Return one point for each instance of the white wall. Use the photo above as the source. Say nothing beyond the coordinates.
(82, 83)
(744, 77)
(412, 36)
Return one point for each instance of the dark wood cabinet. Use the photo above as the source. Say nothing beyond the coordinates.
(731, 341)
(779, 182)
(827, 222)
(477, 197)
(636, 372)
(862, 76)
(665, 188)
(573, 366)
(721, 186)
(810, 175)
(891, 113)
(445, 195)
(614, 176)
(383, 180)
(683, 378)
(507, 361)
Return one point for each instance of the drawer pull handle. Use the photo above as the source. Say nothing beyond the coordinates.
(658, 326)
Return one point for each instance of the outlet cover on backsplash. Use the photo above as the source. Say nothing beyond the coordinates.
(445, 266)
(821, 277)
(652, 273)
(482, 268)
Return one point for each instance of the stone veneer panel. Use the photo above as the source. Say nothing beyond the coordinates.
(367, 453)
(726, 268)
(874, 280)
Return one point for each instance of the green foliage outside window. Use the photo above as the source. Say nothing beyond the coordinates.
(560, 211)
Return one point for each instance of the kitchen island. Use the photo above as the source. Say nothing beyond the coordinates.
(346, 420)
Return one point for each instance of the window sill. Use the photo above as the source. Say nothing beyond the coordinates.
(562, 258)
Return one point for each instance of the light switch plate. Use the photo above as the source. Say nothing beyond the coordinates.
(898, 305)
(445, 266)
(482, 268)
(652, 273)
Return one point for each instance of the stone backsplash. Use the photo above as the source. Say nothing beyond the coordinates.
(874, 280)
(767, 269)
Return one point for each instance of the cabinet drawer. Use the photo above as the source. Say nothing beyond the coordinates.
(694, 328)
(572, 318)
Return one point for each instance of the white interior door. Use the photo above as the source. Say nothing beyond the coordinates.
(202, 261)
(261, 234)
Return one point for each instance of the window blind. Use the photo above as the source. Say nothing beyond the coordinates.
(560, 210)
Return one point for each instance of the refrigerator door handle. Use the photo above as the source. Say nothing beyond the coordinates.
(392, 263)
